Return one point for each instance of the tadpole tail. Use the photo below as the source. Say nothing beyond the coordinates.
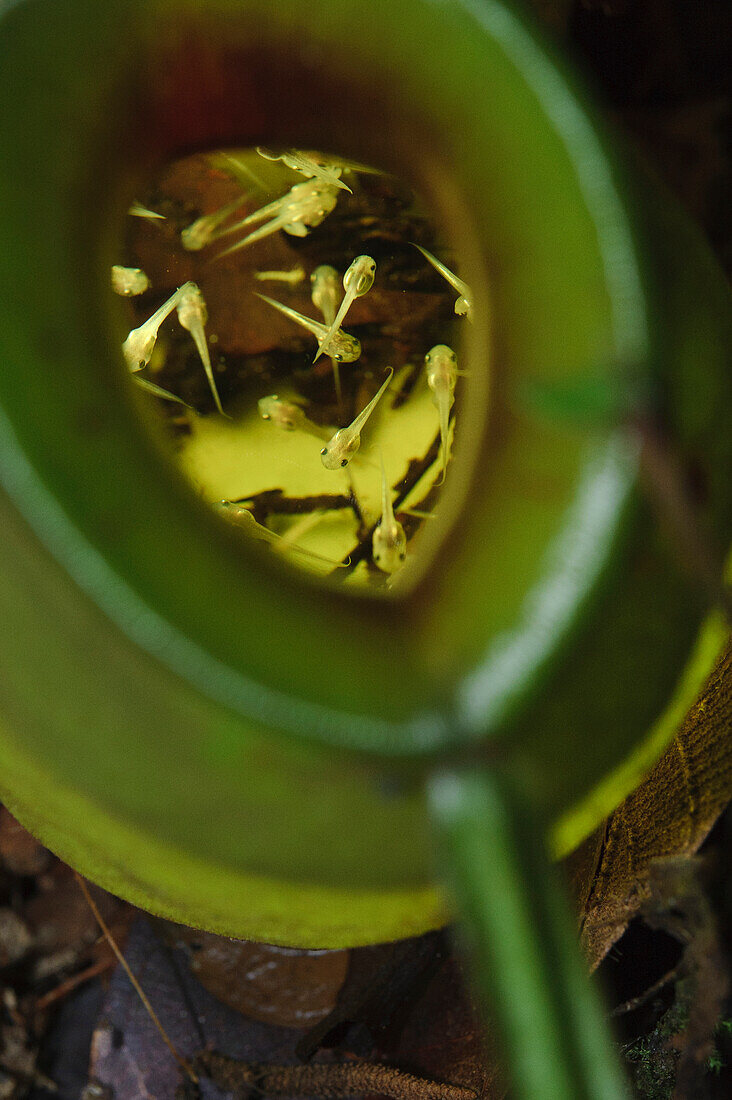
(257, 235)
(443, 410)
(200, 339)
(337, 321)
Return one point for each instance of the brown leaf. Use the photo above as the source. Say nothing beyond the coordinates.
(59, 916)
(21, 853)
(278, 985)
(670, 814)
(444, 1037)
(128, 1053)
(678, 904)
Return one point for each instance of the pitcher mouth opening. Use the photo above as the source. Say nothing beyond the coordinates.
(199, 97)
(282, 299)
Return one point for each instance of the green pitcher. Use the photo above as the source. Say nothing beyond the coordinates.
(229, 745)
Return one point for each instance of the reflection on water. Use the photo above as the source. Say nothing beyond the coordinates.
(296, 321)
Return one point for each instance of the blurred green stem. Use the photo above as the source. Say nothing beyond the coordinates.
(527, 968)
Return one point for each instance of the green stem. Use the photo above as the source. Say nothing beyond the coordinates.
(527, 967)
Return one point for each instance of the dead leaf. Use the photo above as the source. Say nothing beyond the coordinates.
(129, 1055)
(677, 902)
(670, 814)
(59, 916)
(20, 852)
(445, 1038)
(279, 985)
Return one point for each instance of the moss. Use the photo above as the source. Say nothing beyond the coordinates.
(655, 1057)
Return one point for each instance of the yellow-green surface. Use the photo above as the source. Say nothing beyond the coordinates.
(225, 461)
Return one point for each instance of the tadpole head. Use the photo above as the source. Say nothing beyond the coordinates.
(346, 348)
(360, 276)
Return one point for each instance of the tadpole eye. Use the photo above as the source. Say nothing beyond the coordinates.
(324, 451)
(338, 357)
(344, 462)
(403, 555)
